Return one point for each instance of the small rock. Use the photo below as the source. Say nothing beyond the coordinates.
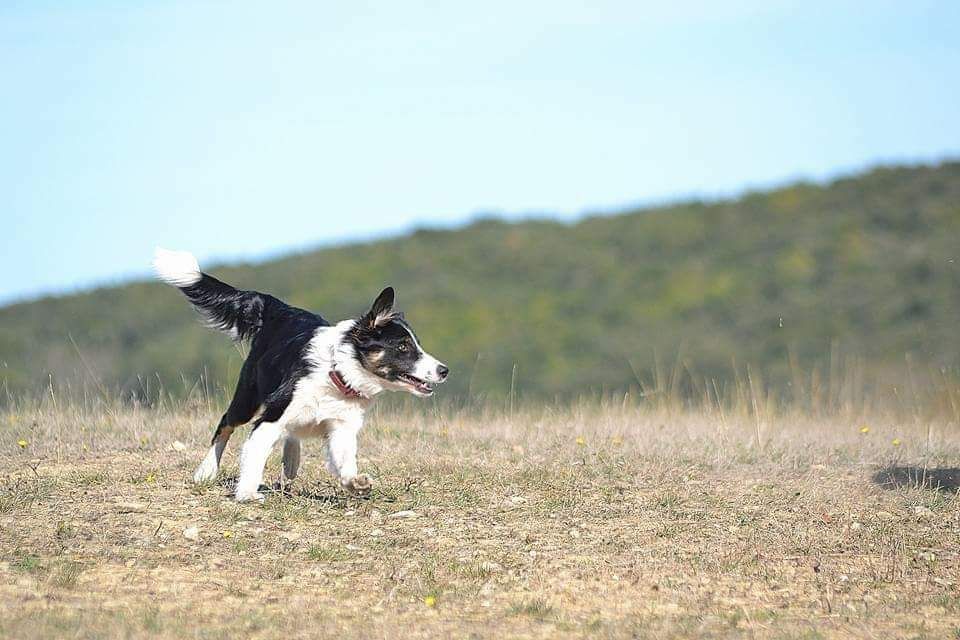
(490, 566)
(291, 536)
(176, 445)
(884, 515)
(349, 513)
(191, 533)
(923, 512)
(353, 547)
(856, 526)
(407, 514)
(376, 533)
(131, 507)
(513, 501)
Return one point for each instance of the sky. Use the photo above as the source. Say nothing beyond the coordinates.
(242, 130)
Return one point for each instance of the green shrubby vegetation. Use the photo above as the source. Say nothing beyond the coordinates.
(783, 281)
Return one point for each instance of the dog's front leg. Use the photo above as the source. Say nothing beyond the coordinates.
(342, 457)
(253, 458)
(291, 459)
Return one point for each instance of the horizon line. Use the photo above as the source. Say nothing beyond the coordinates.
(637, 206)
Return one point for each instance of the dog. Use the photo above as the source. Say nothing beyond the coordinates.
(303, 378)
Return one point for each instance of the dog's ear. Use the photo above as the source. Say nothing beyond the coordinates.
(382, 309)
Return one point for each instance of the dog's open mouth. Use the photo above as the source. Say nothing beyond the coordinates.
(421, 386)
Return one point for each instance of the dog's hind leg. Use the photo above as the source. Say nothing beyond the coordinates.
(242, 408)
(211, 463)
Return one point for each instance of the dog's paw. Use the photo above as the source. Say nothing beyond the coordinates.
(249, 496)
(204, 473)
(359, 486)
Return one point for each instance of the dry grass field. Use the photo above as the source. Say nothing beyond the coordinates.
(608, 519)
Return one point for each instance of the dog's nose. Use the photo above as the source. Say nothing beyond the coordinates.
(443, 371)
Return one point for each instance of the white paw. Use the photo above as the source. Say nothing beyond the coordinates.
(204, 473)
(249, 496)
(358, 485)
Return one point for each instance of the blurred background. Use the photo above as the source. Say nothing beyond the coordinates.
(569, 200)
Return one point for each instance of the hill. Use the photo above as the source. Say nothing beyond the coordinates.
(865, 265)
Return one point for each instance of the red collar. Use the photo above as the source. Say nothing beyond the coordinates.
(342, 385)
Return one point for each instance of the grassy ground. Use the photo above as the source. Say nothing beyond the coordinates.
(593, 521)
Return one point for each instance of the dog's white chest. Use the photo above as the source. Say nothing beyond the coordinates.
(316, 405)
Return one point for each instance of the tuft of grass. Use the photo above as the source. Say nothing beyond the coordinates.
(536, 608)
(64, 574)
(326, 553)
(26, 562)
(151, 620)
(88, 478)
(21, 492)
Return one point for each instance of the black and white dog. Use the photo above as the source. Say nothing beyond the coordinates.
(303, 377)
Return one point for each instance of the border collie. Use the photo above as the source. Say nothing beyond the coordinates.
(303, 378)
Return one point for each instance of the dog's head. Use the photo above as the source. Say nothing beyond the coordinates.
(387, 347)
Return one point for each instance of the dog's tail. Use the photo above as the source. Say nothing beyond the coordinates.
(239, 313)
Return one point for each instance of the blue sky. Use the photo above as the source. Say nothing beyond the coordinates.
(240, 130)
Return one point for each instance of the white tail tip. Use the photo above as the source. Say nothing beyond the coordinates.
(178, 268)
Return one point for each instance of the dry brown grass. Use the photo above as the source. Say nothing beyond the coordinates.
(607, 519)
